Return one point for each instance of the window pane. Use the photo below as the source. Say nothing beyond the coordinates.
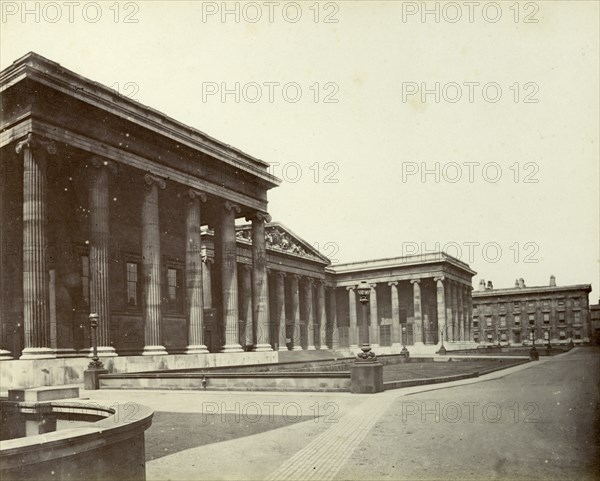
(132, 281)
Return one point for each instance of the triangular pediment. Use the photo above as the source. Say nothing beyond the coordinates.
(280, 238)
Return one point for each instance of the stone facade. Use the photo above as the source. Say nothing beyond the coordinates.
(555, 314)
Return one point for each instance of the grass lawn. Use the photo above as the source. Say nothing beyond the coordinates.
(421, 370)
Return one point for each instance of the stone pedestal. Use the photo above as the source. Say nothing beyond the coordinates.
(91, 378)
(366, 377)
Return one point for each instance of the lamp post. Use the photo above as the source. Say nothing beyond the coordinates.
(533, 354)
(404, 351)
(442, 350)
(92, 374)
(571, 345)
(366, 374)
(364, 295)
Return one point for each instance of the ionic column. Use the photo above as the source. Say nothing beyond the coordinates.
(280, 306)
(455, 311)
(295, 292)
(207, 282)
(194, 275)
(418, 325)
(374, 335)
(461, 312)
(229, 282)
(36, 314)
(5, 354)
(449, 310)
(335, 335)
(321, 315)
(469, 313)
(247, 337)
(151, 267)
(260, 282)
(395, 314)
(441, 307)
(310, 317)
(353, 331)
(99, 251)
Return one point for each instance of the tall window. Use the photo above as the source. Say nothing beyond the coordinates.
(546, 305)
(502, 321)
(561, 317)
(517, 320)
(531, 319)
(132, 284)
(576, 317)
(576, 302)
(561, 303)
(516, 306)
(546, 318)
(85, 279)
(488, 321)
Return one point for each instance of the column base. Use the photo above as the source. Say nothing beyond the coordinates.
(282, 347)
(262, 348)
(373, 346)
(67, 352)
(311, 348)
(231, 348)
(5, 355)
(297, 348)
(106, 351)
(154, 351)
(197, 349)
(38, 353)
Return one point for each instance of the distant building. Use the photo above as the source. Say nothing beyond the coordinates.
(555, 313)
(595, 322)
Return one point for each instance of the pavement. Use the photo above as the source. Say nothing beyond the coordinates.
(534, 421)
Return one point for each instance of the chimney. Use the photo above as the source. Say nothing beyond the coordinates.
(516, 282)
(552, 281)
(521, 283)
(482, 285)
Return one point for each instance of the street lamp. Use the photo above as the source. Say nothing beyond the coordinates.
(571, 345)
(442, 349)
(364, 294)
(404, 351)
(533, 354)
(91, 376)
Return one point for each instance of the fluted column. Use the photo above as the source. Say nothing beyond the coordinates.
(396, 341)
(247, 337)
(5, 354)
(374, 331)
(353, 330)
(229, 282)
(441, 307)
(322, 318)
(194, 278)
(295, 292)
(455, 313)
(151, 267)
(461, 313)
(449, 310)
(469, 313)
(310, 316)
(36, 300)
(99, 251)
(335, 334)
(418, 311)
(260, 282)
(280, 306)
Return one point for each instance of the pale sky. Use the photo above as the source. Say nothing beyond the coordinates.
(351, 166)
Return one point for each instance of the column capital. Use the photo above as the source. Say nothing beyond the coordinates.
(231, 207)
(150, 179)
(192, 194)
(393, 283)
(415, 281)
(32, 141)
(350, 288)
(247, 267)
(207, 260)
(99, 162)
(296, 276)
(439, 279)
(309, 280)
(259, 216)
(281, 274)
(373, 286)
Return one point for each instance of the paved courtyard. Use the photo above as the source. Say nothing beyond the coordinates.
(533, 421)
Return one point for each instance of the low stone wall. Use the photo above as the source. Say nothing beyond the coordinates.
(112, 448)
(266, 381)
(69, 370)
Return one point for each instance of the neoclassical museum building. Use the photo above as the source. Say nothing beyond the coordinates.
(113, 208)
